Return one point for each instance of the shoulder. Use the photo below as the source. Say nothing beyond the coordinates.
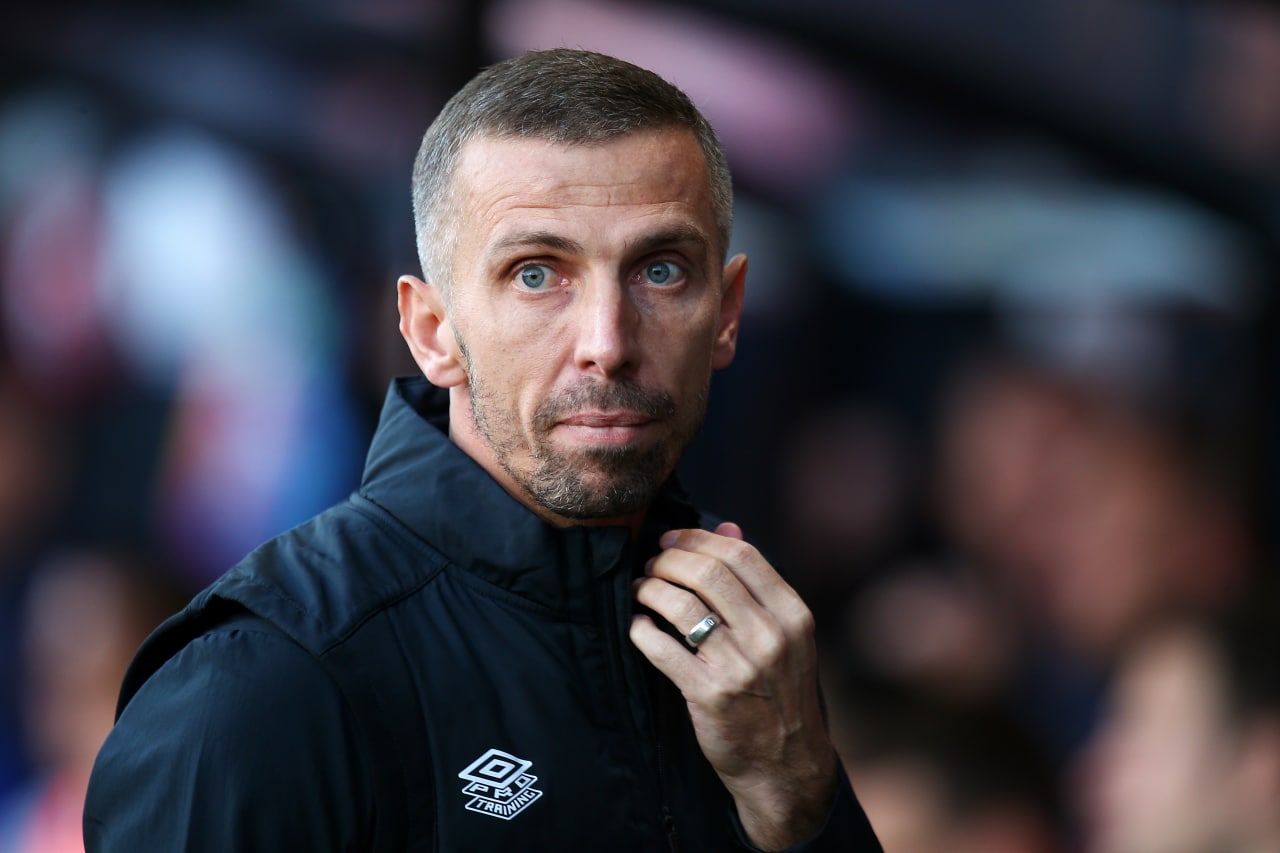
(237, 729)
(218, 672)
(323, 579)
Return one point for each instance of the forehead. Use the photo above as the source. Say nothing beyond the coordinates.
(643, 179)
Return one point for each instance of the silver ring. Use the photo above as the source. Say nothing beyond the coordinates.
(701, 630)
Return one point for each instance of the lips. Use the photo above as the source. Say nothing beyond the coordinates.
(593, 409)
(604, 428)
(606, 420)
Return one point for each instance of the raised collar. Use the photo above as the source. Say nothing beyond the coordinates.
(434, 488)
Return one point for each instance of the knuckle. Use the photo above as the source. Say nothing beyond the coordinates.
(647, 591)
(722, 692)
(738, 680)
(745, 677)
(705, 570)
(771, 644)
(801, 621)
(740, 551)
(709, 567)
(721, 698)
(692, 608)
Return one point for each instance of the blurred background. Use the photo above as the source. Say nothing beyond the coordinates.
(1005, 409)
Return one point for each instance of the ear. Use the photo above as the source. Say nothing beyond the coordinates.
(424, 323)
(732, 285)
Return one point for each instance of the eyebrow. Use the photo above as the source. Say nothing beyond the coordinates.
(675, 236)
(534, 239)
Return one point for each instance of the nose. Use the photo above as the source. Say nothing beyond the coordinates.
(606, 327)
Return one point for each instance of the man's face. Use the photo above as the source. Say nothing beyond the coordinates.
(587, 308)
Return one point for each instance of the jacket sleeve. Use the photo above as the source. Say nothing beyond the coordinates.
(241, 741)
(847, 829)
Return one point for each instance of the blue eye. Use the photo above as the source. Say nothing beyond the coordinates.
(662, 272)
(534, 277)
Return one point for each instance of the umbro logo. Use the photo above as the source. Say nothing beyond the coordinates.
(499, 784)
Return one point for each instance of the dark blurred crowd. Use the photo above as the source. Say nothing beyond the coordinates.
(1002, 411)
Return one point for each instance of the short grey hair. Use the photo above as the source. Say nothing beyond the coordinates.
(564, 96)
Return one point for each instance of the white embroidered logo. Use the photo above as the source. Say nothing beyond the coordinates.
(499, 785)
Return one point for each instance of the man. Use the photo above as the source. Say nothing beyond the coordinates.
(1187, 758)
(516, 635)
(84, 612)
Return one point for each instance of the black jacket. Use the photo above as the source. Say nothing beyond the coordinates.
(427, 666)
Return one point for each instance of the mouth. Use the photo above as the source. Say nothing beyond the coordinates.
(604, 428)
(618, 415)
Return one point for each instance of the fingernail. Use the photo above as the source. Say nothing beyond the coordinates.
(669, 538)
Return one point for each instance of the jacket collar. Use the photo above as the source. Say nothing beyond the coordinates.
(433, 487)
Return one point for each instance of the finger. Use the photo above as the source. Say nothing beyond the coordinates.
(738, 583)
(682, 608)
(752, 571)
(696, 636)
(731, 530)
(706, 681)
(665, 652)
(708, 582)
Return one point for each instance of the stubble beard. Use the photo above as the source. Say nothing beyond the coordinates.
(585, 483)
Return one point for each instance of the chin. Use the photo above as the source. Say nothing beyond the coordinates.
(583, 495)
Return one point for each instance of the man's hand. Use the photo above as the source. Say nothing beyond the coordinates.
(751, 685)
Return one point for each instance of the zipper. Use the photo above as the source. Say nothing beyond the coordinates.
(613, 613)
(655, 733)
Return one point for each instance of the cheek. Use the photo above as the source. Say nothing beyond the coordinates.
(683, 340)
(514, 375)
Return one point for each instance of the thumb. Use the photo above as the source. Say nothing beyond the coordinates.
(728, 528)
